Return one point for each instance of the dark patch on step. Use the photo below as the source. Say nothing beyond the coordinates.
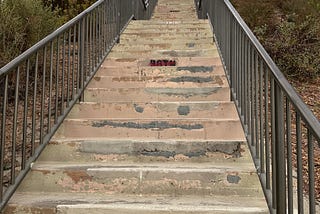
(191, 45)
(174, 11)
(181, 53)
(169, 154)
(183, 110)
(138, 109)
(184, 92)
(196, 69)
(151, 125)
(191, 79)
(233, 179)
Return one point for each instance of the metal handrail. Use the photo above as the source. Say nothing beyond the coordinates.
(40, 87)
(275, 118)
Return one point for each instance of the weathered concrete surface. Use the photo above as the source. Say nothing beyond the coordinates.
(100, 203)
(213, 110)
(150, 139)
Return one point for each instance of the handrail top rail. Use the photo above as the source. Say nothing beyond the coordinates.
(19, 59)
(307, 115)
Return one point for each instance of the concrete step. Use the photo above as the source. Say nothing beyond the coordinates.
(83, 203)
(103, 82)
(163, 35)
(217, 110)
(130, 46)
(158, 71)
(164, 53)
(167, 26)
(145, 179)
(131, 152)
(168, 29)
(180, 61)
(156, 42)
(156, 94)
(181, 23)
(180, 129)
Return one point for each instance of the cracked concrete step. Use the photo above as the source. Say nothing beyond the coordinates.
(164, 45)
(216, 110)
(129, 46)
(195, 42)
(163, 53)
(156, 94)
(167, 35)
(181, 23)
(168, 27)
(180, 61)
(127, 151)
(156, 71)
(185, 81)
(81, 203)
(159, 71)
(183, 129)
(145, 179)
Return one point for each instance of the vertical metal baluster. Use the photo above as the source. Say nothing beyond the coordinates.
(63, 73)
(267, 144)
(50, 86)
(280, 161)
(262, 143)
(312, 208)
(3, 131)
(247, 88)
(242, 74)
(256, 110)
(25, 118)
(299, 164)
(79, 56)
(273, 144)
(82, 56)
(33, 138)
(57, 80)
(289, 157)
(69, 68)
(252, 99)
(43, 94)
(88, 50)
(74, 61)
(14, 129)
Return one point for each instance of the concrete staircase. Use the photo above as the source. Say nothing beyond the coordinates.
(150, 139)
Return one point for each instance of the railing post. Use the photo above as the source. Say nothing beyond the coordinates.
(119, 21)
(82, 54)
(280, 151)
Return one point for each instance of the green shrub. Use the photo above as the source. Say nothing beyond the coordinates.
(289, 31)
(23, 23)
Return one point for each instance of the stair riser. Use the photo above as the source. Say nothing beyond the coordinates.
(180, 61)
(115, 151)
(164, 46)
(168, 28)
(163, 71)
(147, 181)
(154, 110)
(171, 129)
(158, 82)
(109, 209)
(157, 94)
(164, 54)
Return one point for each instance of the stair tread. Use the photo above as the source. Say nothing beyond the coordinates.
(142, 110)
(141, 204)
